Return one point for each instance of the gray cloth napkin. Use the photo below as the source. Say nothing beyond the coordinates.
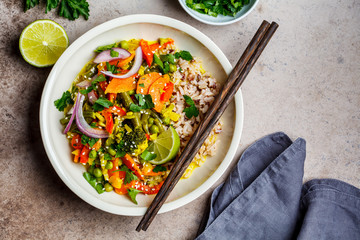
(263, 198)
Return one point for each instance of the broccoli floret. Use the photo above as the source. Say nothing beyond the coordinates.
(131, 140)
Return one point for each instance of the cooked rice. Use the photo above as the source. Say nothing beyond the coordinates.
(193, 81)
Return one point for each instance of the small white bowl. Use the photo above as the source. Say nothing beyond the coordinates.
(72, 61)
(220, 19)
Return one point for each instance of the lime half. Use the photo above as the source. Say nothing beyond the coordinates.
(165, 146)
(42, 42)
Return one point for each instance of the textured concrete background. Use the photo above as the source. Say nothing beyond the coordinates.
(306, 83)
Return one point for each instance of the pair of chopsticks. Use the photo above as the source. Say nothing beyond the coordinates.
(226, 94)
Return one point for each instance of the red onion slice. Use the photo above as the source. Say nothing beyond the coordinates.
(73, 112)
(135, 68)
(83, 126)
(105, 56)
(84, 84)
(92, 97)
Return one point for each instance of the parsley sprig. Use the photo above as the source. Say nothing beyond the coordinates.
(190, 111)
(215, 7)
(70, 9)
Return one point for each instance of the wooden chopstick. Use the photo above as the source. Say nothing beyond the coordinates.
(235, 79)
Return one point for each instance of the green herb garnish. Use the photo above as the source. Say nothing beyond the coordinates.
(132, 194)
(159, 169)
(64, 101)
(215, 7)
(70, 9)
(184, 55)
(113, 53)
(129, 176)
(101, 103)
(148, 156)
(190, 111)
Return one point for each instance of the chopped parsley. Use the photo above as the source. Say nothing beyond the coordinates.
(112, 68)
(113, 53)
(107, 156)
(133, 193)
(145, 102)
(215, 7)
(190, 111)
(100, 78)
(159, 169)
(64, 101)
(101, 103)
(129, 176)
(142, 85)
(70, 9)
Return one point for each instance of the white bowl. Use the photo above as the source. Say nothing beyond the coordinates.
(220, 19)
(79, 53)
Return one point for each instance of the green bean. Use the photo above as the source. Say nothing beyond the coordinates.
(144, 122)
(101, 92)
(111, 151)
(64, 121)
(157, 120)
(127, 101)
(159, 125)
(90, 72)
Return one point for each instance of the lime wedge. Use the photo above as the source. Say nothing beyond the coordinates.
(42, 42)
(165, 146)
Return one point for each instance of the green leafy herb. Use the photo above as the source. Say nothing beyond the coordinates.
(113, 53)
(190, 111)
(101, 103)
(158, 61)
(112, 68)
(92, 181)
(92, 141)
(145, 101)
(100, 78)
(50, 4)
(129, 176)
(184, 55)
(84, 139)
(93, 125)
(72, 9)
(159, 169)
(105, 47)
(64, 101)
(142, 85)
(99, 188)
(148, 156)
(133, 193)
(107, 156)
(170, 58)
(215, 7)
(30, 4)
(86, 90)
(134, 108)
(120, 153)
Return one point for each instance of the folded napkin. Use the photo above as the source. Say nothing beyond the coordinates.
(263, 198)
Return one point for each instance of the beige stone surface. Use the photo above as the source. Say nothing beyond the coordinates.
(306, 83)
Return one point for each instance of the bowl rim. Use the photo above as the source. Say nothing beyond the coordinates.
(236, 19)
(106, 26)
